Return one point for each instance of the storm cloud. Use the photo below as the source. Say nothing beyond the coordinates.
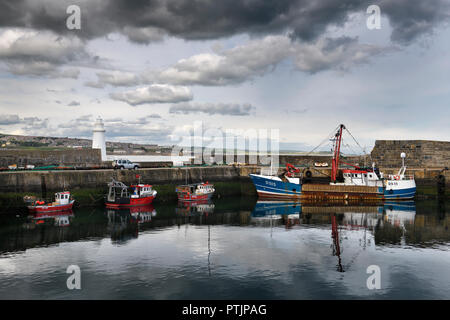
(144, 21)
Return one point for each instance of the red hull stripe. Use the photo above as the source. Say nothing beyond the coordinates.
(51, 208)
(133, 202)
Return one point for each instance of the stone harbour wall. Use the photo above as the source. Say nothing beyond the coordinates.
(419, 153)
(68, 157)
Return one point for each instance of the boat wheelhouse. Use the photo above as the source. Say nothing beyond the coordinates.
(120, 195)
(195, 191)
(63, 201)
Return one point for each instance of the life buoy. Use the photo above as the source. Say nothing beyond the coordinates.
(397, 177)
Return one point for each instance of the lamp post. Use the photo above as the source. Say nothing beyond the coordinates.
(403, 156)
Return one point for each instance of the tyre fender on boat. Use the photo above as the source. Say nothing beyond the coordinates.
(308, 174)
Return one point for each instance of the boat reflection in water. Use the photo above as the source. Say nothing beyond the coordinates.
(123, 223)
(400, 214)
(351, 217)
(280, 212)
(195, 208)
(351, 226)
(57, 219)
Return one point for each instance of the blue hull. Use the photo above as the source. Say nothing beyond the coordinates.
(269, 188)
(276, 189)
(400, 194)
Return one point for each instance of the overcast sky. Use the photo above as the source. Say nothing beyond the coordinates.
(151, 68)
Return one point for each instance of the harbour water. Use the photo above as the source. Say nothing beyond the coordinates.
(231, 248)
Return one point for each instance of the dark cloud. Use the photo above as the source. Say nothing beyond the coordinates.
(334, 53)
(73, 104)
(30, 124)
(9, 119)
(35, 125)
(40, 53)
(144, 21)
(410, 19)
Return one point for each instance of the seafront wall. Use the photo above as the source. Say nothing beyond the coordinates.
(42, 157)
(36, 181)
(419, 153)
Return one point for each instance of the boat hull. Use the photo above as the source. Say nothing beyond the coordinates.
(195, 197)
(130, 202)
(51, 208)
(268, 187)
(400, 189)
(400, 194)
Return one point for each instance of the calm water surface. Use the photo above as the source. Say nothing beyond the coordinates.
(229, 249)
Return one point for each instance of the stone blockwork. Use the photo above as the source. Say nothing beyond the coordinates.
(419, 153)
(36, 181)
(68, 157)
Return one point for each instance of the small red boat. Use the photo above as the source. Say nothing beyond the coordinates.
(195, 191)
(120, 196)
(63, 201)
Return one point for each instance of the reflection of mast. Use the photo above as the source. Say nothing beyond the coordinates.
(271, 226)
(209, 249)
(336, 245)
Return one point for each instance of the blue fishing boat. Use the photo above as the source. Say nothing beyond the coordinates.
(359, 183)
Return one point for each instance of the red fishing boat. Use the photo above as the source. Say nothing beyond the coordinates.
(195, 191)
(63, 201)
(120, 195)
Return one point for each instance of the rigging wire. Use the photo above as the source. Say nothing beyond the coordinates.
(363, 149)
(325, 140)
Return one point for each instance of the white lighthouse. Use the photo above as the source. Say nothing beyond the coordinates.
(98, 137)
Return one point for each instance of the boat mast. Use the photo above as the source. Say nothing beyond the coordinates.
(337, 151)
